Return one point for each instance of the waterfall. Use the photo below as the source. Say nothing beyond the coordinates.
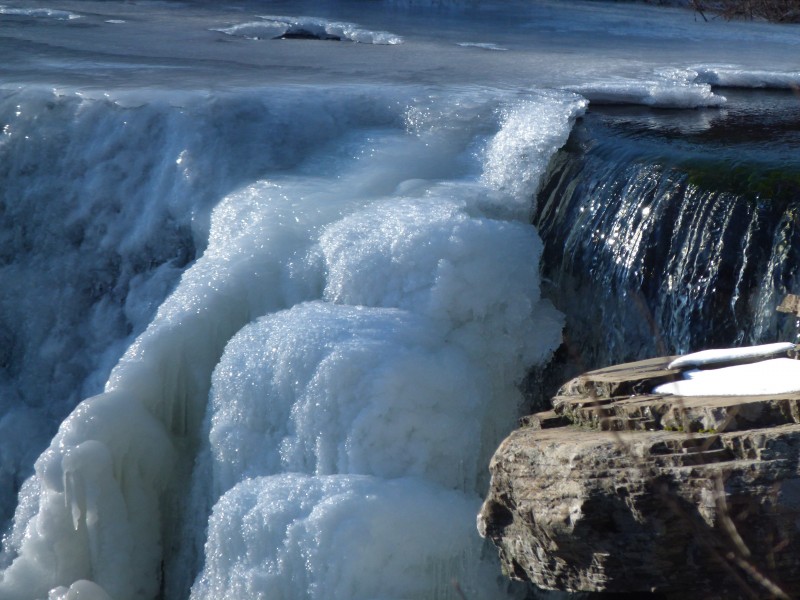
(658, 246)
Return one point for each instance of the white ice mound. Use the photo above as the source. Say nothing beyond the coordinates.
(329, 389)
(776, 376)
(344, 536)
(732, 76)
(420, 326)
(97, 500)
(723, 355)
(375, 320)
(531, 132)
(80, 590)
(656, 93)
(39, 13)
(271, 27)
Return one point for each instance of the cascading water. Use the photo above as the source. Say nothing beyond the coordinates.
(675, 234)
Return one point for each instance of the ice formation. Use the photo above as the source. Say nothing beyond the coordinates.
(272, 27)
(371, 324)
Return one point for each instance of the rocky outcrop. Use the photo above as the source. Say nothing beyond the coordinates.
(620, 490)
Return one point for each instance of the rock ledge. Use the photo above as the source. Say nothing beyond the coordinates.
(620, 490)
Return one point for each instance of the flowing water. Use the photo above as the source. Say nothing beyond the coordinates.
(271, 271)
(676, 232)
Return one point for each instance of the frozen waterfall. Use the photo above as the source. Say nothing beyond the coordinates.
(271, 282)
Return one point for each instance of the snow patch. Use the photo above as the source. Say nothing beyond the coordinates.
(776, 376)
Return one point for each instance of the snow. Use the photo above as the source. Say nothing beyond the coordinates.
(775, 376)
(710, 357)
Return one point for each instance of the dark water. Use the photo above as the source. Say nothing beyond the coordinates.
(674, 231)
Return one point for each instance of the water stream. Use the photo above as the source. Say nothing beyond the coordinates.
(667, 233)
